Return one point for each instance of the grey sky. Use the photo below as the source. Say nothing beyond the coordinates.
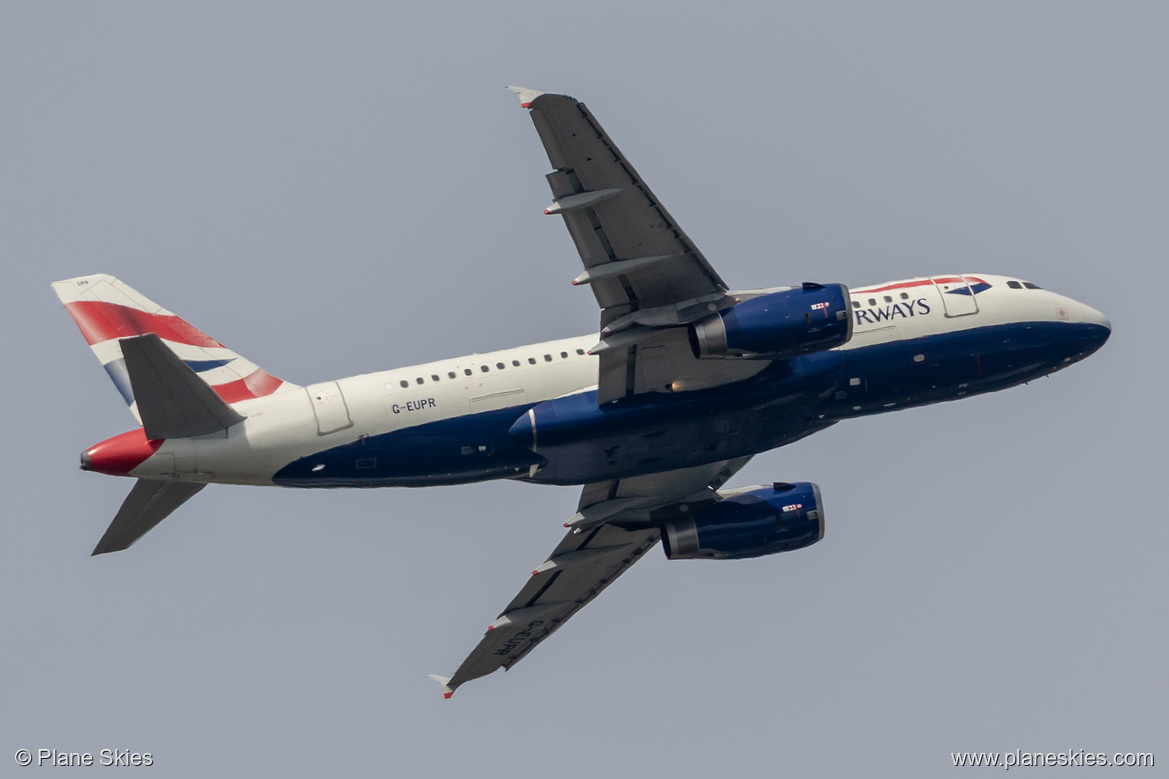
(334, 190)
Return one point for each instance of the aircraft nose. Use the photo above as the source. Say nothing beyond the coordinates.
(1090, 329)
(1099, 319)
(1103, 327)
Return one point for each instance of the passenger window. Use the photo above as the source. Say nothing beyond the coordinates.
(547, 358)
(855, 304)
(404, 383)
(484, 368)
(420, 380)
(872, 301)
(531, 361)
(580, 351)
(905, 296)
(467, 371)
(499, 365)
(515, 363)
(564, 355)
(888, 299)
(450, 374)
(434, 377)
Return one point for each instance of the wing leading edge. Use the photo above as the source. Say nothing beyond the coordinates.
(615, 525)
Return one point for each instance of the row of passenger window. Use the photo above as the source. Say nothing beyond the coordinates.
(434, 377)
(873, 301)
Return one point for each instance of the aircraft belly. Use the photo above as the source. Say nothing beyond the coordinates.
(947, 366)
(680, 443)
(456, 450)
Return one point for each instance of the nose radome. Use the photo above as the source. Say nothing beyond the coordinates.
(1097, 325)
(1097, 318)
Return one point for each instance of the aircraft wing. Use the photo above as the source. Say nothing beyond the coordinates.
(614, 526)
(646, 273)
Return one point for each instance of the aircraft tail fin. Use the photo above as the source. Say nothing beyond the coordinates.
(148, 503)
(107, 310)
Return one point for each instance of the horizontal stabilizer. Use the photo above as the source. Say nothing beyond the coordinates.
(172, 400)
(149, 503)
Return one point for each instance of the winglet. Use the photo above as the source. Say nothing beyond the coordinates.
(526, 95)
(444, 681)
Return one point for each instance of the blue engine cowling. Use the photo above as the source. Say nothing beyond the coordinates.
(780, 324)
(757, 522)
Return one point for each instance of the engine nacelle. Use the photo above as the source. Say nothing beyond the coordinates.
(752, 523)
(780, 324)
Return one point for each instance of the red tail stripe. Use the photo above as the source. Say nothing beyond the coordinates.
(255, 385)
(99, 321)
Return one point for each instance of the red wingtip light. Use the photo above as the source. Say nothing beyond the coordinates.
(447, 695)
(526, 105)
(490, 628)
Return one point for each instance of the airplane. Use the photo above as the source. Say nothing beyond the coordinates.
(652, 416)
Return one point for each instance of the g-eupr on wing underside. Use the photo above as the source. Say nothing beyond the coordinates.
(647, 275)
(615, 525)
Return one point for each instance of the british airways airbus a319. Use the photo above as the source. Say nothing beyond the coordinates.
(686, 381)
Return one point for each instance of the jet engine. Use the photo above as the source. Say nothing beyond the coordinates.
(752, 522)
(779, 324)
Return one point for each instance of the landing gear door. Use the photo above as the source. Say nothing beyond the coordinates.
(958, 297)
(329, 406)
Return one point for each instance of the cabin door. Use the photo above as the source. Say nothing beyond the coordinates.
(957, 295)
(329, 406)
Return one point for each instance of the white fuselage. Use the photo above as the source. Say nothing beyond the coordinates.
(297, 423)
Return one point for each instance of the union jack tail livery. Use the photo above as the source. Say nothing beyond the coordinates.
(106, 310)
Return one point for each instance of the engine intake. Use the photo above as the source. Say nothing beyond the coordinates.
(751, 523)
(780, 324)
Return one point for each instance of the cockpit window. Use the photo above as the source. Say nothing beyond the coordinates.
(1014, 285)
(1029, 285)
